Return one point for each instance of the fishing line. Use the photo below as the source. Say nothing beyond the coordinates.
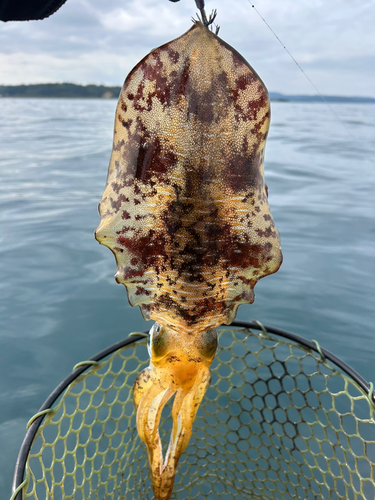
(312, 83)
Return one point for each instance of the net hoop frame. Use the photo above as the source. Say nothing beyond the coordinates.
(25, 448)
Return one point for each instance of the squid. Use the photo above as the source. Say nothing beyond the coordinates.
(185, 212)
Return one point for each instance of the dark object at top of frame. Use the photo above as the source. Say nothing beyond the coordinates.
(28, 10)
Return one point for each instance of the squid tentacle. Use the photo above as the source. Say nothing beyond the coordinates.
(179, 367)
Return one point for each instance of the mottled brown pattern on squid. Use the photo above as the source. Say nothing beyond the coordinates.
(185, 209)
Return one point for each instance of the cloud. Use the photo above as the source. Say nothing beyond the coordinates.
(91, 41)
(149, 17)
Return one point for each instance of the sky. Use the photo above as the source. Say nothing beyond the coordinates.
(99, 41)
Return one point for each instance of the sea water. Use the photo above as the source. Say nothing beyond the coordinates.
(59, 301)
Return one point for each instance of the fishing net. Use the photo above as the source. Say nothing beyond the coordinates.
(280, 420)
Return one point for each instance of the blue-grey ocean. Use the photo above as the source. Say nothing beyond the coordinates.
(59, 301)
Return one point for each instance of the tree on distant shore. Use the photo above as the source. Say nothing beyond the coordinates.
(67, 90)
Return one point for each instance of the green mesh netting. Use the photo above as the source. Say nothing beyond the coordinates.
(276, 423)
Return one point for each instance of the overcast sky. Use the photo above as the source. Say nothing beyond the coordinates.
(99, 41)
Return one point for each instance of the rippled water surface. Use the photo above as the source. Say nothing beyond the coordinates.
(59, 301)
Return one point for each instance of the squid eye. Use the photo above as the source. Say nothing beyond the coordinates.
(207, 343)
(160, 341)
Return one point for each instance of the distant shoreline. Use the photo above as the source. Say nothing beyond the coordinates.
(60, 91)
(74, 91)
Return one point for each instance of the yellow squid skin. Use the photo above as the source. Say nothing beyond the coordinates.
(185, 213)
(179, 367)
